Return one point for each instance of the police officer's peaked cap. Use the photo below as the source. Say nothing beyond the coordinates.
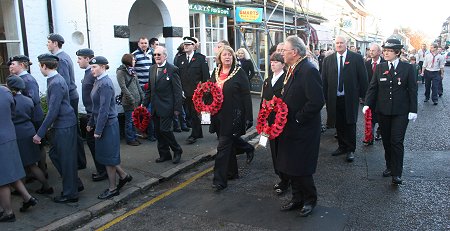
(99, 60)
(19, 58)
(85, 52)
(56, 38)
(393, 44)
(189, 40)
(14, 81)
(47, 57)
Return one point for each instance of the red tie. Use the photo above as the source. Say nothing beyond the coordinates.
(374, 64)
(432, 63)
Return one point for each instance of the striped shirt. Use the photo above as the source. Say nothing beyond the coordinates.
(143, 64)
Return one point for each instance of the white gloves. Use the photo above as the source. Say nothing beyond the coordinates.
(412, 116)
(365, 109)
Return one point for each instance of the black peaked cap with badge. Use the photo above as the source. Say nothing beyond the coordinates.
(189, 40)
(47, 57)
(85, 52)
(19, 58)
(55, 38)
(392, 44)
(98, 60)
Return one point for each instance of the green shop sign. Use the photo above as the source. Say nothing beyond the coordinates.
(209, 9)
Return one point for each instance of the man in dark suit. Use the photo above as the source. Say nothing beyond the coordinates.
(344, 82)
(165, 94)
(393, 90)
(193, 70)
(297, 146)
(375, 59)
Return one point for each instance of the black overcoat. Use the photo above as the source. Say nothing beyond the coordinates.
(192, 73)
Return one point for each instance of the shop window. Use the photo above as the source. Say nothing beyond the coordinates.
(9, 36)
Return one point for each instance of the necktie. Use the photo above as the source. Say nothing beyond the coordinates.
(374, 64)
(340, 78)
(432, 63)
(391, 70)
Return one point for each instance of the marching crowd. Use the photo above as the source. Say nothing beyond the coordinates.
(305, 81)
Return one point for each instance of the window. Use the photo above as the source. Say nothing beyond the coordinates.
(9, 36)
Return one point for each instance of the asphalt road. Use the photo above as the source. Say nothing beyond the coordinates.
(352, 196)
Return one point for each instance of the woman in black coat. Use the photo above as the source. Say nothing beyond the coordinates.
(234, 117)
(245, 62)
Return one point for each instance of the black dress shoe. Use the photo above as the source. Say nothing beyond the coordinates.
(25, 205)
(48, 190)
(108, 194)
(8, 218)
(435, 103)
(123, 181)
(307, 210)
(176, 158)
(291, 205)
(64, 200)
(191, 140)
(250, 156)
(440, 95)
(396, 180)
(80, 188)
(338, 152)
(162, 159)
(426, 100)
(234, 177)
(350, 156)
(99, 176)
(387, 173)
(218, 187)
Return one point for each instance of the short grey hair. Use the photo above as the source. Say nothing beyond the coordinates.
(377, 45)
(297, 44)
(164, 50)
(341, 37)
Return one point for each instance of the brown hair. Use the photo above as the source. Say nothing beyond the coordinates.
(50, 64)
(225, 48)
(277, 57)
(127, 59)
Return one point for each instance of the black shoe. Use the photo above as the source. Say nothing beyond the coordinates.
(162, 159)
(435, 103)
(378, 137)
(350, 156)
(387, 173)
(440, 95)
(108, 194)
(234, 177)
(8, 218)
(80, 188)
(99, 176)
(64, 200)
(218, 187)
(335, 135)
(177, 130)
(426, 100)
(368, 143)
(291, 205)
(250, 156)
(191, 140)
(396, 180)
(176, 158)
(25, 205)
(123, 181)
(185, 129)
(133, 143)
(307, 210)
(338, 152)
(49, 190)
(152, 139)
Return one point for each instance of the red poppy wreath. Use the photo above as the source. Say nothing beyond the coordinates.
(281, 111)
(217, 98)
(368, 135)
(141, 118)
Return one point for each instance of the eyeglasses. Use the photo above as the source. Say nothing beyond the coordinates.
(388, 50)
(157, 54)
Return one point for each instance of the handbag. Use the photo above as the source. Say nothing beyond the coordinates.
(119, 97)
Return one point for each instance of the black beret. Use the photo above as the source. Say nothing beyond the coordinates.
(393, 44)
(14, 81)
(19, 58)
(47, 57)
(55, 37)
(85, 52)
(189, 40)
(98, 60)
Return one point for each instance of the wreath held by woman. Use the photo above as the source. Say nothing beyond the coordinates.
(281, 111)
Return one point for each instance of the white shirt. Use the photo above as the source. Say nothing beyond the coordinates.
(377, 62)
(338, 60)
(276, 77)
(395, 63)
(421, 55)
(439, 62)
(189, 56)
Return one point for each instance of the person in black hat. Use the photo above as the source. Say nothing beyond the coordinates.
(87, 83)
(65, 69)
(393, 90)
(193, 70)
(63, 138)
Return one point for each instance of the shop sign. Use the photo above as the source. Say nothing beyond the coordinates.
(209, 9)
(249, 14)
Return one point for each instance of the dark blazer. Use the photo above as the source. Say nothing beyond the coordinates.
(268, 91)
(369, 68)
(298, 144)
(165, 91)
(193, 72)
(248, 68)
(386, 93)
(355, 85)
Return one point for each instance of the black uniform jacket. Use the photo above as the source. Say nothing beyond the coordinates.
(193, 72)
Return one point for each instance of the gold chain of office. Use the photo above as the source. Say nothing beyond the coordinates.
(221, 82)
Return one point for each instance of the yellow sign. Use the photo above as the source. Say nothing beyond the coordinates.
(245, 14)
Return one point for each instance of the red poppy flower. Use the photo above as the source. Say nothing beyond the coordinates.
(165, 71)
(386, 72)
(346, 62)
(217, 96)
(280, 109)
(141, 118)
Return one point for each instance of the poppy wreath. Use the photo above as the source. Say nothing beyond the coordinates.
(368, 136)
(217, 97)
(141, 118)
(281, 111)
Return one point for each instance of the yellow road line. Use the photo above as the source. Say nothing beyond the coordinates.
(154, 200)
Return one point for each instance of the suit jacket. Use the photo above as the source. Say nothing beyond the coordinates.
(247, 66)
(393, 94)
(165, 91)
(298, 144)
(268, 91)
(355, 85)
(193, 72)
(369, 68)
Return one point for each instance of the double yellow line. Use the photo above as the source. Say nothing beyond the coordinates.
(154, 200)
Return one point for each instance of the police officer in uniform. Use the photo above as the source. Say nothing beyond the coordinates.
(393, 90)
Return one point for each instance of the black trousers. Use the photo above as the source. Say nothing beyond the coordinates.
(303, 189)
(165, 137)
(346, 132)
(193, 117)
(393, 135)
(242, 146)
(225, 163)
(90, 140)
(273, 150)
(81, 155)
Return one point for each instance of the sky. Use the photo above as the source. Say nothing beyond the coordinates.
(426, 16)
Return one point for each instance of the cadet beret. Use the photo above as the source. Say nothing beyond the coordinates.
(55, 38)
(189, 40)
(98, 60)
(19, 58)
(47, 57)
(393, 44)
(14, 81)
(85, 52)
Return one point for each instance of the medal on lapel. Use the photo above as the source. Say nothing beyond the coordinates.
(399, 82)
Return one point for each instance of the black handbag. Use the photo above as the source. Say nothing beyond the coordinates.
(119, 97)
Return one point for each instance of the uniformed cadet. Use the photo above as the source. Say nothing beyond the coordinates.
(393, 90)
(65, 69)
(63, 136)
(105, 125)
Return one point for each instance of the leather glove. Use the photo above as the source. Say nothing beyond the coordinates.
(412, 116)
(248, 124)
(364, 109)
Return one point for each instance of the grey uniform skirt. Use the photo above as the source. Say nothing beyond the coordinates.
(29, 151)
(11, 168)
(107, 148)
